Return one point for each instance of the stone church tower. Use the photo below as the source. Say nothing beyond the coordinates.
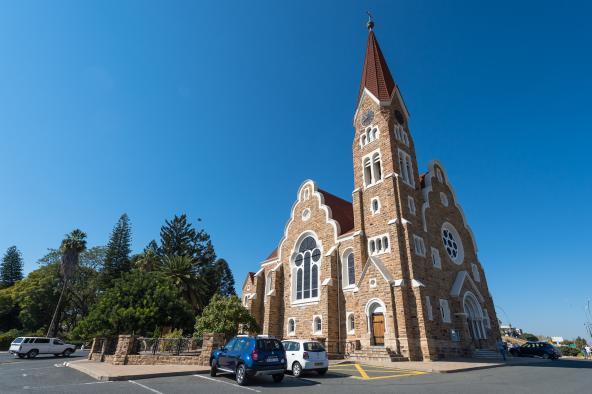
(394, 274)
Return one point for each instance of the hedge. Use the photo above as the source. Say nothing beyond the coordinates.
(569, 351)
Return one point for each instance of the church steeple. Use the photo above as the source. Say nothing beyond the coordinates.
(376, 76)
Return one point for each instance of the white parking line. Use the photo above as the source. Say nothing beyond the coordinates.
(231, 384)
(146, 387)
(60, 385)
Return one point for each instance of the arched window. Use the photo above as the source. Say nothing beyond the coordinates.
(376, 170)
(367, 171)
(348, 268)
(269, 282)
(318, 324)
(306, 264)
(351, 323)
(291, 326)
(246, 300)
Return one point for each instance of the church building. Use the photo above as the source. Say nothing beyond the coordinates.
(392, 274)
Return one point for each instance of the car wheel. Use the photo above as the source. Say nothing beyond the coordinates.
(278, 378)
(322, 371)
(546, 356)
(241, 375)
(67, 352)
(296, 369)
(213, 368)
(32, 353)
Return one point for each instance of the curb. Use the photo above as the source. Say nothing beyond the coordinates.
(114, 378)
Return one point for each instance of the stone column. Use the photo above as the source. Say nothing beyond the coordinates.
(93, 348)
(211, 341)
(125, 346)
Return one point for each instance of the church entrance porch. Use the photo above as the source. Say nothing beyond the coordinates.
(376, 320)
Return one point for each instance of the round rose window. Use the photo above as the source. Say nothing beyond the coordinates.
(452, 243)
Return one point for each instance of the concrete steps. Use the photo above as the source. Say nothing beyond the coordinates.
(376, 353)
(486, 353)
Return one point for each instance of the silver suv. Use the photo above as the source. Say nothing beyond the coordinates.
(32, 346)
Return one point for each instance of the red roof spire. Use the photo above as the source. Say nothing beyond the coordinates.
(376, 76)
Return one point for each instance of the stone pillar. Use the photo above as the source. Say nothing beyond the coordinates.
(93, 348)
(125, 347)
(210, 342)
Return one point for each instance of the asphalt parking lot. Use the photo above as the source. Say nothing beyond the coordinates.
(48, 375)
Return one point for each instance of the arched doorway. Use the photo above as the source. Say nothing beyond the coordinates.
(375, 311)
(474, 315)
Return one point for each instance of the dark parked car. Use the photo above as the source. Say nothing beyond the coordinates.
(536, 349)
(248, 356)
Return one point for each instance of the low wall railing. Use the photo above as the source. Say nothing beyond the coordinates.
(167, 346)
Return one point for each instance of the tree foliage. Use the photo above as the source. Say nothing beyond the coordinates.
(222, 279)
(225, 315)
(138, 302)
(11, 268)
(93, 258)
(180, 238)
(180, 270)
(117, 258)
(529, 337)
(149, 260)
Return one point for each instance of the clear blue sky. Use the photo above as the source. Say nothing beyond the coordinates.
(221, 110)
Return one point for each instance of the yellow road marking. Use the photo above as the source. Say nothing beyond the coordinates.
(391, 376)
(362, 372)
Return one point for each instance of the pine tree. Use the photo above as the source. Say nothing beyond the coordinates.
(11, 269)
(224, 279)
(179, 238)
(117, 258)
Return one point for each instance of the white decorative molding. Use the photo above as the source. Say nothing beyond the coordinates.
(416, 283)
(392, 221)
(428, 188)
(330, 252)
(398, 282)
(327, 282)
(405, 221)
(457, 286)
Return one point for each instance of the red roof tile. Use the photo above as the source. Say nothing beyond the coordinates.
(376, 76)
(342, 211)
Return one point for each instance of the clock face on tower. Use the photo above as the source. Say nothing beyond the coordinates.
(367, 118)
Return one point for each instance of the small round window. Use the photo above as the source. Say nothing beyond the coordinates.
(452, 243)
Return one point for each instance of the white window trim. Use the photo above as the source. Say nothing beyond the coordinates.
(436, 259)
(444, 199)
(429, 308)
(419, 246)
(269, 283)
(405, 158)
(344, 270)
(460, 247)
(347, 317)
(382, 250)
(476, 273)
(373, 181)
(411, 205)
(372, 205)
(294, 270)
(367, 135)
(445, 311)
(291, 333)
(314, 326)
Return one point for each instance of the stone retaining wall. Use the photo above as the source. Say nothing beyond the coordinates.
(125, 348)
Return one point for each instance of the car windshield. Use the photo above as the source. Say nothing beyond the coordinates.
(313, 347)
(269, 344)
(17, 340)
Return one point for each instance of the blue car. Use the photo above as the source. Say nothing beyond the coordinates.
(248, 356)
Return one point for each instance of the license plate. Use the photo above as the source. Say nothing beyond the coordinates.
(318, 364)
(272, 359)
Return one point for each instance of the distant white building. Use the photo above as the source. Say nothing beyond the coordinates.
(557, 340)
(510, 331)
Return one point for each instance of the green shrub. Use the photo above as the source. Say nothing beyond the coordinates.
(569, 351)
(7, 337)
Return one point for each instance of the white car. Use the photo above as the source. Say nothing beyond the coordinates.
(305, 355)
(32, 346)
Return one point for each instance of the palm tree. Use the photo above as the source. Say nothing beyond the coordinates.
(72, 245)
(182, 272)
